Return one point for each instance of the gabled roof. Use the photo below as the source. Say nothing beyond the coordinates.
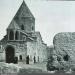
(13, 25)
(24, 11)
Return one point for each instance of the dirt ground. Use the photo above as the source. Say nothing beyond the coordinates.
(38, 65)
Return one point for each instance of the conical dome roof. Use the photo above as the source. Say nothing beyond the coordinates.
(24, 11)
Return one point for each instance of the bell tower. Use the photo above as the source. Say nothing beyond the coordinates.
(25, 19)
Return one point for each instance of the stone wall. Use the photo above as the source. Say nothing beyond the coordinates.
(31, 50)
(44, 52)
(37, 48)
(41, 48)
(39, 51)
(50, 51)
(19, 47)
(28, 22)
(64, 45)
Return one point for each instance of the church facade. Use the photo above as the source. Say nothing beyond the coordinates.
(22, 40)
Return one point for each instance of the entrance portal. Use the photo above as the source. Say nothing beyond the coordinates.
(10, 54)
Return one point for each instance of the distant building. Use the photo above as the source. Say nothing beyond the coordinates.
(50, 51)
(22, 40)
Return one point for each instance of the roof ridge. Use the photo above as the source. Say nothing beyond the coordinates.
(13, 25)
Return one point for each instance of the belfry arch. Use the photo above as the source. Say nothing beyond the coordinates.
(11, 35)
(16, 35)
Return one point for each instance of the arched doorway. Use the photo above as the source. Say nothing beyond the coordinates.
(10, 54)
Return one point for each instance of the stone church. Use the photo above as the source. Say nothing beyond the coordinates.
(21, 39)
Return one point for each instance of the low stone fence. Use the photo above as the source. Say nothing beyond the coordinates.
(8, 68)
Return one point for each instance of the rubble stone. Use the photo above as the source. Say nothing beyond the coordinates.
(64, 45)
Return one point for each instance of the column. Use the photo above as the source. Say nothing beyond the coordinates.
(14, 34)
(19, 35)
(8, 33)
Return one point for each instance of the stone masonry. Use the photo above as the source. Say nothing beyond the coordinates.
(64, 46)
(22, 40)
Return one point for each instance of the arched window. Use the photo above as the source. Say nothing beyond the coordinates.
(22, 27)
(16, 35)
(20, 57)
(11, 35)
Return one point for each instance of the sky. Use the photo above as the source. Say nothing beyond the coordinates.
(52, 17)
